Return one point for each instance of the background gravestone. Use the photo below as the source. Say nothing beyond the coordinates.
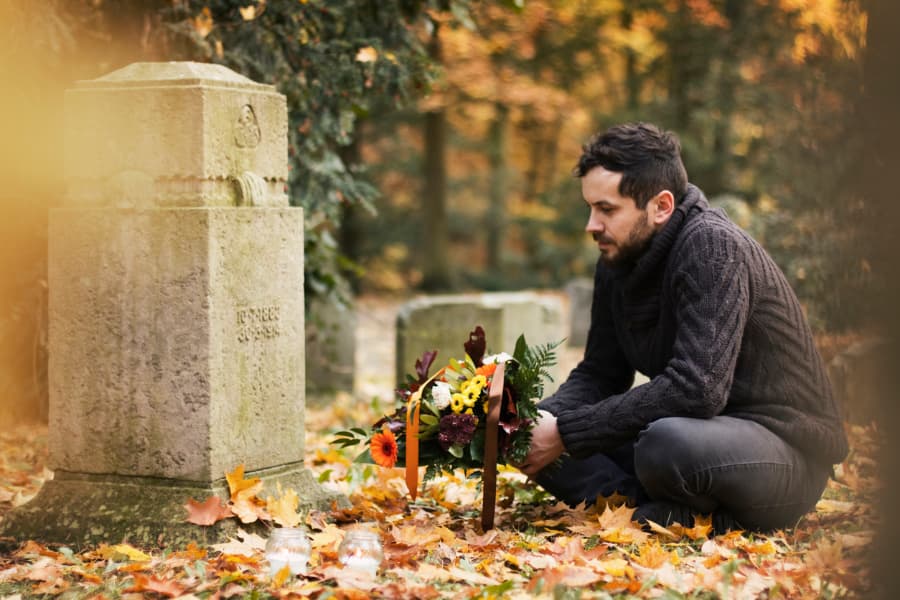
(443, 323)
(176, 314)
(580, 293)
(330, 350)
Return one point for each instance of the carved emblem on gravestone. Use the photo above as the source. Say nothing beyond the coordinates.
(246, 131)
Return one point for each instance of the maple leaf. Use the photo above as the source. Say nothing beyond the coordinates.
(284, 508)
(165, 587)
(240, 487)
(246, 544)
(249, 510)
(653, 556)
(208, 512)
(615, 526)
(702, 527)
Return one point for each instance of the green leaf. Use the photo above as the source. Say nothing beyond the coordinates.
(364, 458)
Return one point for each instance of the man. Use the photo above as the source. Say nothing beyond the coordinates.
(737, 419)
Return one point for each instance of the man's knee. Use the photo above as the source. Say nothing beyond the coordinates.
(662, 453)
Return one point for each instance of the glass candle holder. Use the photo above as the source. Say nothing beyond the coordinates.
(288, 546)
(361, 550)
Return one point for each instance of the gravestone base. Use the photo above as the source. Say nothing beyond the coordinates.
(77, 509)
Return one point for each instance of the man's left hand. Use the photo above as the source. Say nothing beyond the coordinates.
(546, 445)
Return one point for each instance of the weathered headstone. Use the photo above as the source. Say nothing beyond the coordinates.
(330, 350)
(176, 314)
(443, 323)
(580, 293)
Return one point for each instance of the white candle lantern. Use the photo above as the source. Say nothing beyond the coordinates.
(288, 547)
(361, 550)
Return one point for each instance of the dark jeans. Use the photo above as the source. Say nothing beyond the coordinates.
(723, 464)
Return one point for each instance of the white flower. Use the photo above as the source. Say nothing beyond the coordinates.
(440, 393)
(496, 358)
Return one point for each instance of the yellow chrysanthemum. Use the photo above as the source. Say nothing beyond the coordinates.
(479, 380)
(457, 403)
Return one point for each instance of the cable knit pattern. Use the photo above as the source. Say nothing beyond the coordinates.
(711, 319)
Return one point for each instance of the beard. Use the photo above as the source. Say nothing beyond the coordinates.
(634, 246)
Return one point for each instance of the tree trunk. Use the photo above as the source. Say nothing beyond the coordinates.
(496, 212)
(351, 226)
(877, 172)
(436, 274)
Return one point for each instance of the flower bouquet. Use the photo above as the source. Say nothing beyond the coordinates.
(472, 413)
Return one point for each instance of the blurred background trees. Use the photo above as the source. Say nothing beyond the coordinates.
(431, 141)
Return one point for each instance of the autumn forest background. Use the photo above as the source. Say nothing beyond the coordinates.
(432, 142)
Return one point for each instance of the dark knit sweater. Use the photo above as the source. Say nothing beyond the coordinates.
(709, 317)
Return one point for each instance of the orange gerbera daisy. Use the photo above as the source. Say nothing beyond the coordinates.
(383, 448)
(487, 369)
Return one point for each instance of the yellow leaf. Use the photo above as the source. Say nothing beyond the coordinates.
(659, 529)
(652, 555)
(124, 549)
(281, 576)
(617, 567)
(284, 508)
(248, 13)
(367, 54)
(329, 538)
(240, 487)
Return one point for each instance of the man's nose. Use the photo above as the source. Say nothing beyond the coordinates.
(594, 225)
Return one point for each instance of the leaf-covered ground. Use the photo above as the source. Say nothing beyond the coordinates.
(434, 547)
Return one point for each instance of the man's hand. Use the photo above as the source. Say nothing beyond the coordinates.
(546, 444)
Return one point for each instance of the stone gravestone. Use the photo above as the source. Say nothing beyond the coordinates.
(443, 323)
(176, 314)
(580, 292)
(330, 351)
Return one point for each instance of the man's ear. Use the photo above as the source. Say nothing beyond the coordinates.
(664, 203)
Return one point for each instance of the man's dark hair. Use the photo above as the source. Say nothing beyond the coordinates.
(648, 157)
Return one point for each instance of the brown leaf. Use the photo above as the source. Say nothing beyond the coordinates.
(207, 512)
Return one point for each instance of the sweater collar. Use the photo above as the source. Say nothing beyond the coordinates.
(692, 202)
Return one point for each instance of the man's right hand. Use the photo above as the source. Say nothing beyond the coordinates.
(546, 445)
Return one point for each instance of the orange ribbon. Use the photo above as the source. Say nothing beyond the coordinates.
(413, 408)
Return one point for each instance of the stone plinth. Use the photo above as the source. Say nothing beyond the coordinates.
(443, 323)
(176, 313)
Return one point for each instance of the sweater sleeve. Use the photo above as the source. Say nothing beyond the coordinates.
(710, 294)
(604, 370)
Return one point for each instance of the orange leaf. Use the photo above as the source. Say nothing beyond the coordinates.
(701, 528)
(207, 512)
(240, 487)
(164, 587)
(192, 552)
